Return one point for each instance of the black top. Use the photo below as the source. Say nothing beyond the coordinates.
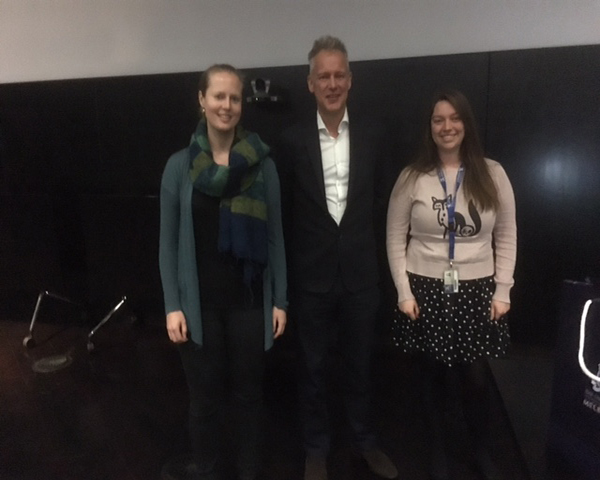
(220, 275)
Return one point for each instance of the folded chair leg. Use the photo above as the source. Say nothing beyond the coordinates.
(29, 341)
(90, 344)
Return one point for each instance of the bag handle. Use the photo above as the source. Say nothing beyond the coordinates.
(582, 364)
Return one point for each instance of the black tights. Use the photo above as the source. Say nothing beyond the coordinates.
(468, 385)
(472, 381)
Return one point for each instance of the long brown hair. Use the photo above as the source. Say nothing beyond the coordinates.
(478, 183)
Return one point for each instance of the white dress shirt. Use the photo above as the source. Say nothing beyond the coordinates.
(335, 157)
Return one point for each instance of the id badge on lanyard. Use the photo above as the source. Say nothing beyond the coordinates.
(451, 280)
(451, 274)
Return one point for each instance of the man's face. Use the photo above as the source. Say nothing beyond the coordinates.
(329, 80)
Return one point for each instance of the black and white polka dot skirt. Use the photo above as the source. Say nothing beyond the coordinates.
(452, 328)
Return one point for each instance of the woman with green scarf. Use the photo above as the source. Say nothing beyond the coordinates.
(222, 265)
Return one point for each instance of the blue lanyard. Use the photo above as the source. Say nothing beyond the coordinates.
(450, 205)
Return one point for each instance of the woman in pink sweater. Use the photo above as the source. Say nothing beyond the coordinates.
(451, 241)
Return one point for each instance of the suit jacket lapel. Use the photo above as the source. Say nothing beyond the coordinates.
(356, 154)
(313, 146)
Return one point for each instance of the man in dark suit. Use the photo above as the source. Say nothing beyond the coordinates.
(327, 168)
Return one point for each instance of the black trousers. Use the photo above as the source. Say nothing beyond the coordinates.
(346, 318)
(227, 369)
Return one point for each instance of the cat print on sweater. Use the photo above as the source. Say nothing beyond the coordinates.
(461, 227)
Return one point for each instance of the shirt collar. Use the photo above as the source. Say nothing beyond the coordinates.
(342, 127)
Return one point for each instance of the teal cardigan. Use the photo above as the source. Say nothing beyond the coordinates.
(177, 253)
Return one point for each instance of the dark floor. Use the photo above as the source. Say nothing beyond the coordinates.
(119, 412)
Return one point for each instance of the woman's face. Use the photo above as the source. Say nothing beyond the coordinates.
(222, 103)
(447, 128)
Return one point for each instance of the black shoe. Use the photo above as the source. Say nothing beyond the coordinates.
(315, 468)
(379, 463)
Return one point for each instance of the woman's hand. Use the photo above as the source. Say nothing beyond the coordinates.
(499, 309)
(177, 327)
(279, 321)
(410, 308)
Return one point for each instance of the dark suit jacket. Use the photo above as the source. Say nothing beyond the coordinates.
(317, 247)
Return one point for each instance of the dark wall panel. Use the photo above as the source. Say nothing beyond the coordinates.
(544, 126)
(29, 251)
(400, 91)
(81, 160)
(49, 131)
(121, 238)
(140, 122)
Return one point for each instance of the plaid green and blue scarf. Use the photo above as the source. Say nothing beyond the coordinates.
(240, 185)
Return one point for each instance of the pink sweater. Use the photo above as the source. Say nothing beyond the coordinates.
(418, 207)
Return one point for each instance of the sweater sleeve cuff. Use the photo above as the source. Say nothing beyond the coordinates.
(405, 293)
(502, 293)
(281, 305)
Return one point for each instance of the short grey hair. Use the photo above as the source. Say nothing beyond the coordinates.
(328, 43)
